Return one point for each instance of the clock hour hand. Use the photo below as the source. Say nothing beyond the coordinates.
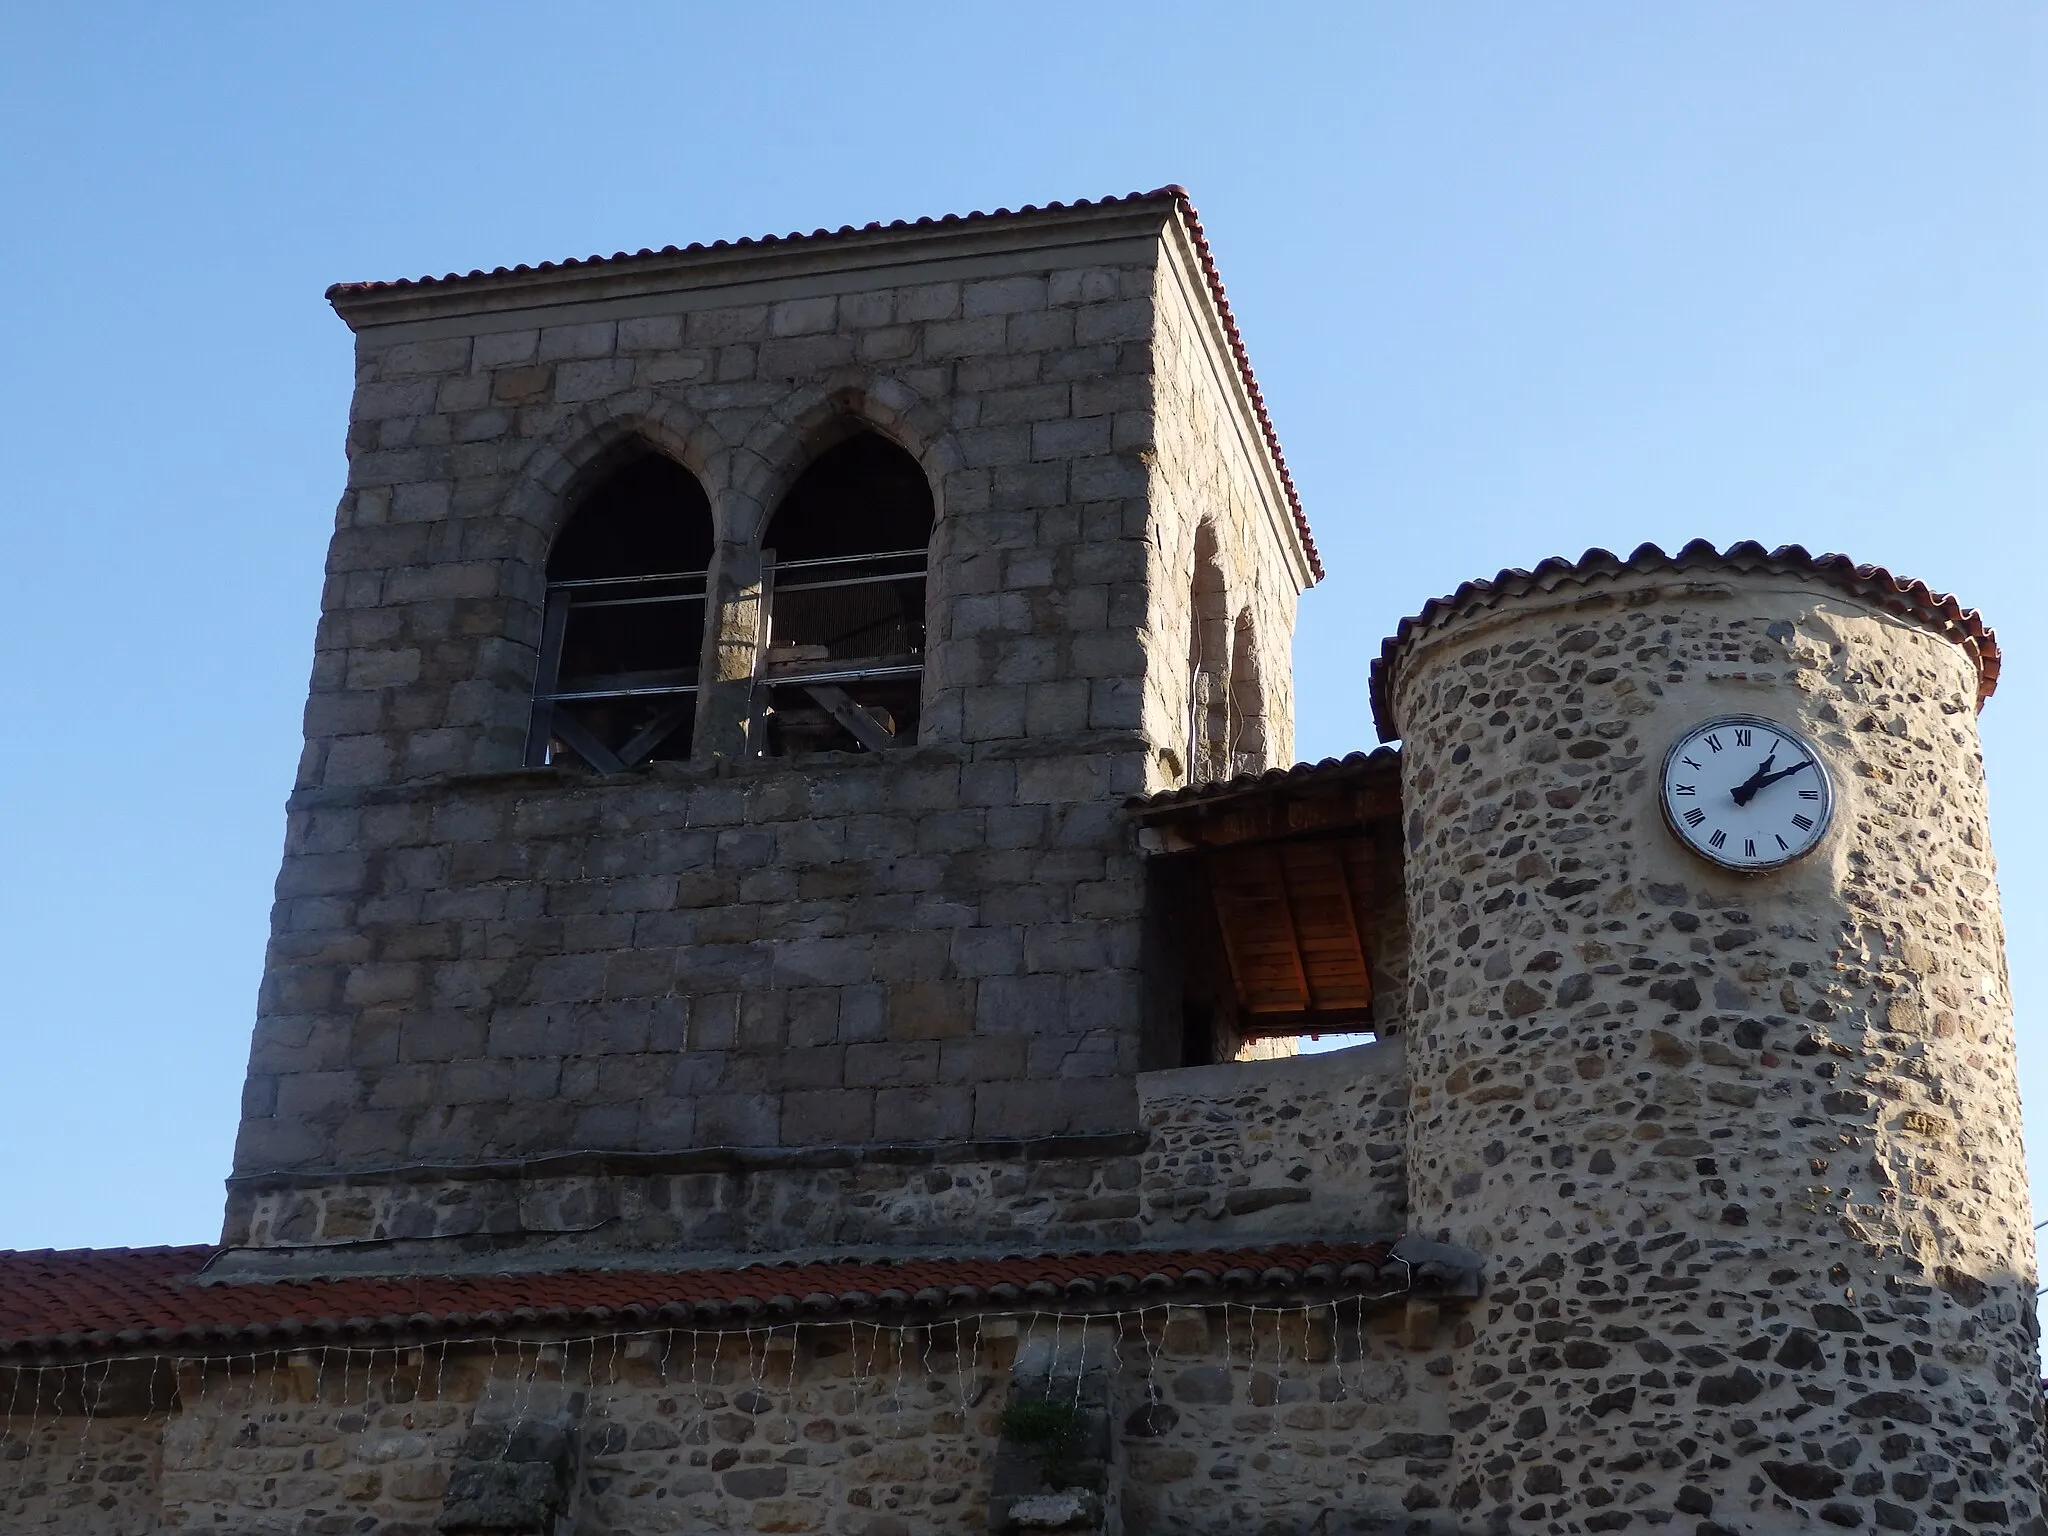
(1746, 790)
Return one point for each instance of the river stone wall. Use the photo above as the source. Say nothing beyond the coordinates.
(1743, 1152)
(1271, 1151)
(1222, 1420)
(69, 1477)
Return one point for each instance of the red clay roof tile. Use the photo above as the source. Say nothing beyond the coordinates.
(96, 1300)
(1179, 196)
(1873, 583)
(1318, 775)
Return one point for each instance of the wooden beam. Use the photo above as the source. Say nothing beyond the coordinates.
(862, 726)
(1351, 919)
(652, 734)
(1346, 796)
(540, 729)
(764, 636)
(592, 751)
(1308, 994)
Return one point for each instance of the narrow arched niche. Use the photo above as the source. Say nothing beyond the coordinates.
(1209, 660)
(1247, 699)
(844, 569)
(623, 632)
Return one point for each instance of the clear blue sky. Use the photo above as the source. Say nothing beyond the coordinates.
(1517, 278)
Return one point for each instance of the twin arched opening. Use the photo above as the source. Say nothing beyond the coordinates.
(840, 659)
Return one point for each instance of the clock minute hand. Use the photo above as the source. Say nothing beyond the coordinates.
(1782, 773)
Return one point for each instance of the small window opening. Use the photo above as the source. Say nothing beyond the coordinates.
(623, 629)
(843, 574)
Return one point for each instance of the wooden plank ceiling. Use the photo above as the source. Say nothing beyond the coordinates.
(1295, 918)
(1293, 860)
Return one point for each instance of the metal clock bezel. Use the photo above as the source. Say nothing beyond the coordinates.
(1785, 732)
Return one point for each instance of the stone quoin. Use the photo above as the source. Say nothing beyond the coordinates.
(796, 920)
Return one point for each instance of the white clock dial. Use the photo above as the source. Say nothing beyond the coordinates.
(1746, 793)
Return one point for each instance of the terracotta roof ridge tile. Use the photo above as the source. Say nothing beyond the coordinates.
(1902, 595)
(1172, 191)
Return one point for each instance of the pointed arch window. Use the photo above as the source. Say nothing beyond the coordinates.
(622, 633)
(844, 562)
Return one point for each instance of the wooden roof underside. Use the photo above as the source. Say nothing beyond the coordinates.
(1295, 919)
(1297, 863)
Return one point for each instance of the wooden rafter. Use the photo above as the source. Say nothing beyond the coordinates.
(1291, 926)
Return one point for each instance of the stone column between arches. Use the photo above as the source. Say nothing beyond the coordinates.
(1743, 1153)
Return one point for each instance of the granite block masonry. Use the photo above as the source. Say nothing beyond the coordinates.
(730, 962)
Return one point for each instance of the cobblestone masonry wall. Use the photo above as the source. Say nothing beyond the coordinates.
(1226, 1420)
(472, 963)
(1743, 1153)
(68, 1477)
(1272, 1150)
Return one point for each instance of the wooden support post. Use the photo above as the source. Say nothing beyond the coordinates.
(546, 674)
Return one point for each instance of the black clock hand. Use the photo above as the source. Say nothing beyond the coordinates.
(1782, 773)
(1746, 791)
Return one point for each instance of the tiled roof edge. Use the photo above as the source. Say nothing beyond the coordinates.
(1295, 776)
(753, 242)
(163, 1309)
(1901, 595)
(1193, 223)
(1178, 195)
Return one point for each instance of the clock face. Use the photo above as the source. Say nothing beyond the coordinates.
(1746, 793)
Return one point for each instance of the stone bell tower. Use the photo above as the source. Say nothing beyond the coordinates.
(1743, 1151)
(732, 667)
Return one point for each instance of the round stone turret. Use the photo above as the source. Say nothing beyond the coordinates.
(1742, 1151)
